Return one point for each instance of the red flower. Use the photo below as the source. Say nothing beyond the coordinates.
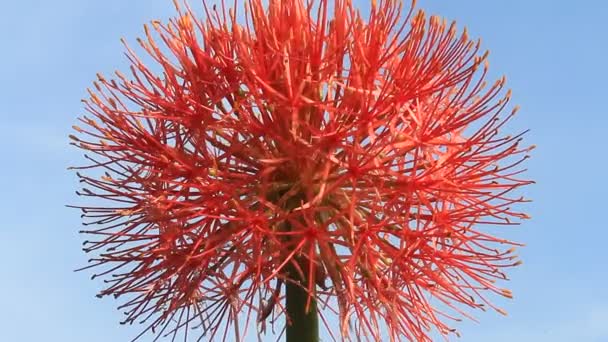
(358, 158)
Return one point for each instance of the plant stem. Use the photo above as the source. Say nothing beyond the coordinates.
(302, 326)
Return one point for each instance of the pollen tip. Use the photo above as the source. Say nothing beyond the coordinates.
(507, 293)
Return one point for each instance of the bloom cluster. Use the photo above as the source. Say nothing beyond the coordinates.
(358, 158)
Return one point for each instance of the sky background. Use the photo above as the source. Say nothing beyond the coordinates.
(554, 56)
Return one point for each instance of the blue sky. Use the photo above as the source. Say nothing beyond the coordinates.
(554, 56)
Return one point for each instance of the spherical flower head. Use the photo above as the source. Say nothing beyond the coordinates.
(299, 143)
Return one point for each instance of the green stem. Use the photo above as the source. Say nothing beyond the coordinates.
(302, 326)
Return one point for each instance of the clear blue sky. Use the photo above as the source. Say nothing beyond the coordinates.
(553, 52)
